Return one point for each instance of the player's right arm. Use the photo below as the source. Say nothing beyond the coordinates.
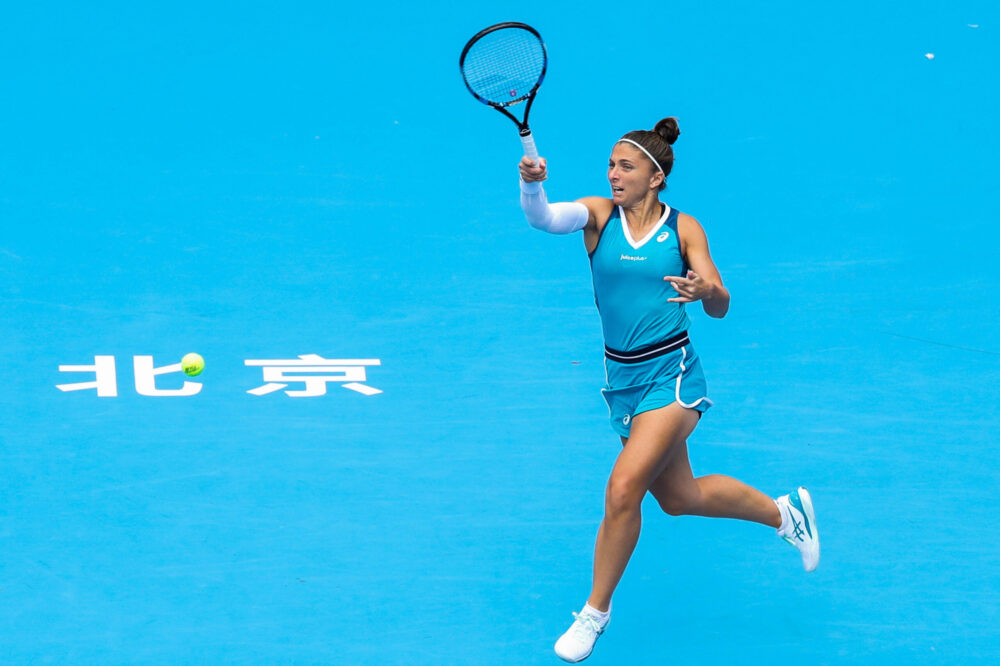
(600, 210)
(563, 217)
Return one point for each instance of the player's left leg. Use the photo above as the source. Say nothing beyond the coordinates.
(679, 493)
(719, 496)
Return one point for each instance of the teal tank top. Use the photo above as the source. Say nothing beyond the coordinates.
(629, 288)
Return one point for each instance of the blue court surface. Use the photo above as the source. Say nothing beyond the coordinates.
(306, 192)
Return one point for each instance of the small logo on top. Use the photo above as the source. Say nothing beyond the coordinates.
(662, 237)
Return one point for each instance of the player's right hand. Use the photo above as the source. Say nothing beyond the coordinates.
(531, 172)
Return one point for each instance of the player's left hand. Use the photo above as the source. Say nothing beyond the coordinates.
(690, 289)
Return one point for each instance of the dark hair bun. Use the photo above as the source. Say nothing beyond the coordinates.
(668, 129)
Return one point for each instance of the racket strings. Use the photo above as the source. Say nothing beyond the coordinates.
(505, 66)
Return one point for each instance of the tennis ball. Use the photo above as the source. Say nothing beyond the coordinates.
(192, 364)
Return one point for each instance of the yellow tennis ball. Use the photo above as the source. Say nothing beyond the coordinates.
(192, 364)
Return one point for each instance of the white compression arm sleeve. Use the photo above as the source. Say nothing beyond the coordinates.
(558, 218)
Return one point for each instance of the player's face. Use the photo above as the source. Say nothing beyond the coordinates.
(630, 173)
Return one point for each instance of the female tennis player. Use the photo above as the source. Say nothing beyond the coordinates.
(648, 261)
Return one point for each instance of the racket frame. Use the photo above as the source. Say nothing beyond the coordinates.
(522, 125)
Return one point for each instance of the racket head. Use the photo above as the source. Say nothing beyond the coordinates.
(504, 64)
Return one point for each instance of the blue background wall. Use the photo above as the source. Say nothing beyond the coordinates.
(263, 181)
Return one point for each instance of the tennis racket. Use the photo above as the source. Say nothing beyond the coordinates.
(504, 65)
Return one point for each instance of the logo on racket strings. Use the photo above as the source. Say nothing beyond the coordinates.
(513, 93)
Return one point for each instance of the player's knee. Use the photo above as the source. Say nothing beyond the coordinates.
(678, 503)
(623, 494)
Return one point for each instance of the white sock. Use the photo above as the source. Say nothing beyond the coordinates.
(784, 516)
(602, 618)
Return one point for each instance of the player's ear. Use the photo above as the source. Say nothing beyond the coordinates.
(656, 179)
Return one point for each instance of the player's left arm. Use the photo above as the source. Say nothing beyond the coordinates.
(703, 282)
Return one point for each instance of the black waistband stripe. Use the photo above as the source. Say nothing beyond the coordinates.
(650, 352)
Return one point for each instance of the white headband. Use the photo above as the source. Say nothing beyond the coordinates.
(645, 151)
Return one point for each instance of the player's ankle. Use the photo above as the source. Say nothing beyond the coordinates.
(597, 608)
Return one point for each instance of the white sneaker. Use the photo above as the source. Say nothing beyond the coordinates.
(578, 641)
(799, 521)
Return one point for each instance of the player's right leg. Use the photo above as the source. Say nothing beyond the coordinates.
(655, 435)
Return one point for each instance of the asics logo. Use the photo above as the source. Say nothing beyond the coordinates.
(797, 530)
(662, 237)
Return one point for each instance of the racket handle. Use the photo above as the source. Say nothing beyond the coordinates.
(528, 142)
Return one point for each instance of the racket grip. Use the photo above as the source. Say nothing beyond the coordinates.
(528, 142)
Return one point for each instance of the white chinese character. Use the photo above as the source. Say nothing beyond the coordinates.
(145, 379)
(278, 372)
(106, 380)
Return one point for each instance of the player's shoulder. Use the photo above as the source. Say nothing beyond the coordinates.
(600, 208)
(687, 224)
(687, 220)
(598, 204)
(690, 231)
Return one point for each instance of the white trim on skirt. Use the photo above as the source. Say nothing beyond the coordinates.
(677, 391)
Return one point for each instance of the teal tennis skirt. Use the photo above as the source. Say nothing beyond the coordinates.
(653, 377)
